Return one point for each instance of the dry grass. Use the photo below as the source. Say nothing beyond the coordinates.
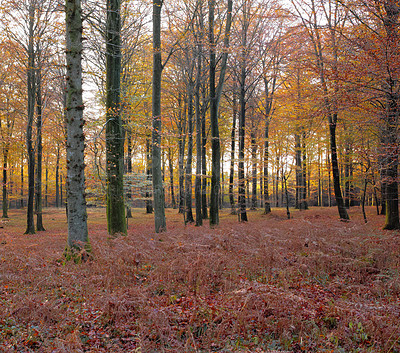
(309, 284)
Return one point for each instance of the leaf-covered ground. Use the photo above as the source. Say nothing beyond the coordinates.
(308, 284)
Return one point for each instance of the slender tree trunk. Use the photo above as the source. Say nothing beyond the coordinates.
(254, 171)
(222, 195)
(58, 204)
(299, 172)
(188, 179)
(304, 204)
(116, 221)
(232, 167)
(241, 173)
(149, 203)
(171, 178)
(22, 181)
(129, 171)
(204, 206)
(46, 196)
(267, 205)
(77, 215)
(30, 228)
(5, 196)
(158, 188)
(181, 154)
(198, 180)
(39, 151)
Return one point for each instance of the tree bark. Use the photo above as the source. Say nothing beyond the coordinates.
(39, 150)
(5, 193)
(77, 215)
(188, 169)
(30, 228)
(171, 178)
(116, 221)
(215, 95)
(149, 203)
(254, 170)
(232, 166)
(158, 188)
(198, 180)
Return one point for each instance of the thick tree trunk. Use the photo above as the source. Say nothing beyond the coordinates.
(77, 216)
(30, 228)
(391, 165)
(215, 95)
(158, 188)
(392, 112)
(116, 221)
(215, 143)
(335, 170)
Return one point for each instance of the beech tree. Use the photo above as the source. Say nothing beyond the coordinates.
(116, 220)
(158, 188)
(77, 215)
(215, 96)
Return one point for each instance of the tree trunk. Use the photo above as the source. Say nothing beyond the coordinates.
(158, 188)
(30, 228)
(335, 170)
(304, 204)
(215, 95)
(149, 203)
(39, 151)
(22, 181)
(58, 204)
(254, 171)
(77, 216)
(232, 167)
(116, 221)
(267, 205)
(129, 171)
(242, 124)
(215, 143)
(391, 123)
(5, 167)
(204, 206)
(181, 154)
(171, 178)
(198, 180)
(188, 171)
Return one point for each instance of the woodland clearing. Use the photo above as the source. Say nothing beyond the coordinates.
(309, 284)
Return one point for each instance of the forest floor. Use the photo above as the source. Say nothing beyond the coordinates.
(308, 284)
